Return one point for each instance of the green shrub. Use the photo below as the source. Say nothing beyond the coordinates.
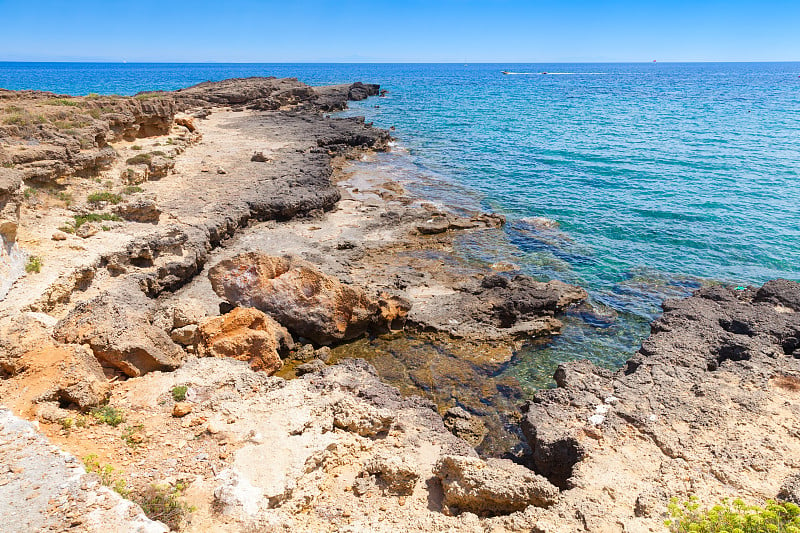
(109, 415)
(179, 393)
(140, 159)
(130, 189)
(162, 503)
(105, 196)
(136, 147)
(733, 517)
(34, 265)
(65, 197)
(61, 101)
(106, 473)
(133, 435)
(80, 220)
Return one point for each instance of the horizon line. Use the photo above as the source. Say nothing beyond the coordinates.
(379, 62)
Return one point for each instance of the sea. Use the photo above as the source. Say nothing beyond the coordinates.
(639, 182)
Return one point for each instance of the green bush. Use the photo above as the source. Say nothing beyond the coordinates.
(162, 503)
(61, 101)
(105, 196)
(140, 159)
(130, 189)
(34, 265)
(733, 517)
(109, 415)
(80, 220)
(106, 473)
(179, 393)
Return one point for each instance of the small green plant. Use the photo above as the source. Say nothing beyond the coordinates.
(133, 435)
(179, 393)
(80, 421)
(136, 147)
(34, 265)
(94, 113)
(80, 220)
(162, 503)
(105, 196)
(8, 164)
(61, 101)
(130, 189)
(733, 517)
(109, 415)
(67, 228)
(105, 228)
(106, 473)
(66, 423)
(139, 159)
(30, 193)
(170, 140)
(65, 197)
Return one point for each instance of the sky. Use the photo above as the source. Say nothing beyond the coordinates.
(399, 30)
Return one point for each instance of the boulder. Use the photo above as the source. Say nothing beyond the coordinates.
(493, 487)
(246, 335)
(139, 210)
(361, 418)
(88, 229)
(118, 329)
(308, 302)
(398, 474)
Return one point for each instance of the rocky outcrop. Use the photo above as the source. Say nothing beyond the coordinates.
(709, 397)
(45, 489)
(492, 487)
(118, 329)
(246, 335)
(10, 201)
(308, 302)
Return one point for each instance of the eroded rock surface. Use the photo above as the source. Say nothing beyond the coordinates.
(708, 406)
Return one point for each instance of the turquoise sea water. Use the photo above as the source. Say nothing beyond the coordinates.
(659, 177)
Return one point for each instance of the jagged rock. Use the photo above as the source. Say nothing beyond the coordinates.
(139, 210)
(361, 418)
(465, 426)
(323, 353)
(790, 490)
(10, 202)
(117, 328)
(181, 409)
(305, 352)
(307, 368)
(235, 495)
(50, 372)
(496, 486)
(185, 336)
(247, 335)
(259, 157)
(308, 302)
(398, 474)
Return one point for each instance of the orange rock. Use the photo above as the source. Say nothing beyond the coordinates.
(181, 409)
(245, 334)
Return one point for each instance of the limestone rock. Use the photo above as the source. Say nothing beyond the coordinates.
(10, 202)
(181, 409)
(139, 210)
(313, 366)
(790, 490)
(361, 418)
(59, 236)
(247, 335)
(117, 328)
(88, 229)
(308, 302)
(185, 336)
(464, 425)
(398, 474)
(493, 487)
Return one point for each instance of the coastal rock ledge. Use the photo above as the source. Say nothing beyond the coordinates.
(709, 406)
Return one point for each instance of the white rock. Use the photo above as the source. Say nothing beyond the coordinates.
(596, 419)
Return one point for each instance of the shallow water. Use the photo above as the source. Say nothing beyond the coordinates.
(647, 179)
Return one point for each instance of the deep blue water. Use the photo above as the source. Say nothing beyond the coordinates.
(660, 177)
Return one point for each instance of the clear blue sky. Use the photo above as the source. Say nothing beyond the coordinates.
(400, 30)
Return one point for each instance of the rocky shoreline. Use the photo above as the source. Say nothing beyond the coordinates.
(213, 241)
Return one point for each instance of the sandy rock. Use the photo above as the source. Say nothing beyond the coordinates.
(139, 210)
(323, 353)
(397, 474)
(247, 335)
(305, 352)
(118, 330)
(59, 236)
(88, 229)
(259, 157)
(235, 495)
(492, 487)
(181, 409)
(185, 336)
(361, 418)
(10, 203)
(308, 302)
